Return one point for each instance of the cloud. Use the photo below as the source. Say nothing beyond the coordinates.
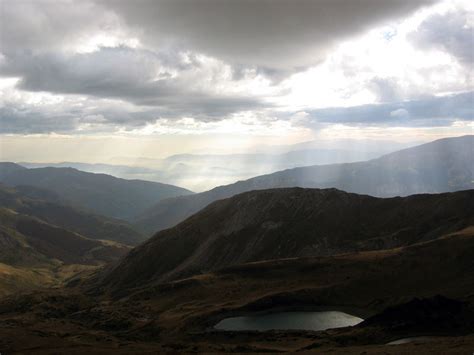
(35, 26)
(274, 34)
(400, 113)
(386, 89)
(176, 84)
(118, 65)
(18, 119)
(431, 111)
(451, 32)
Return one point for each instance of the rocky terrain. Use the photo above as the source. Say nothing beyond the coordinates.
(287, 223)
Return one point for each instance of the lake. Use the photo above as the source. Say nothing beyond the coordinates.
(290, 320)
(413, 340)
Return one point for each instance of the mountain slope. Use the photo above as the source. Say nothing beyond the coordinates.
(28, 241)
(34, 253)
(397, 289)
(100, 193)
(7, 168)
(287, 223)
(45, 205)
(441, 166)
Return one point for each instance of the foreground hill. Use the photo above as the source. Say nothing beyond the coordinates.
(395, 290)
(288, 223)
(441, 166)
(46, 206)
(100, 193)
(35, 253)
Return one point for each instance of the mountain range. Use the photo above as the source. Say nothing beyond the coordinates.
(98, 193)
(441, 166)
(201, 172)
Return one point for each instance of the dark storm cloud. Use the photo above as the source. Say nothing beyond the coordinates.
(138, 76)
(451, 32)
(273, 38)
(433, 111)
(278, 34)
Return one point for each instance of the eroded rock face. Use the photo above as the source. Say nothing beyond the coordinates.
(286, 223)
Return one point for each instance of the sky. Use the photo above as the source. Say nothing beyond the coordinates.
(95, 80)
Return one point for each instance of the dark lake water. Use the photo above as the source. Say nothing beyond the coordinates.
(290, 320)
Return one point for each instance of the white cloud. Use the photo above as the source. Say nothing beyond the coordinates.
(400, 113)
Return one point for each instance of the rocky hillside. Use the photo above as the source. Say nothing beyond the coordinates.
(287, 223)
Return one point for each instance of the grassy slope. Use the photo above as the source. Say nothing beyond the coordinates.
(36, 254)
(16, 280)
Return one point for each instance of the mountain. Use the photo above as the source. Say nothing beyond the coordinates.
(120, 171)
(34, 253)
(424, 288)
(29, 241)
(441, 166)
(200, 172)
(7, 168)
(47, 206)
(100, 193)
(288, 223)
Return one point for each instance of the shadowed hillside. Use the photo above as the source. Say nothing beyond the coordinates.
(441, 166)
(34, 253)
(100, 193)
(287, 223)
(46, 206)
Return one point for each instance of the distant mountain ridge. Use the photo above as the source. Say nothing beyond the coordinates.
(441, 166)
(204, 171)
(287, 223)
(100, 193)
